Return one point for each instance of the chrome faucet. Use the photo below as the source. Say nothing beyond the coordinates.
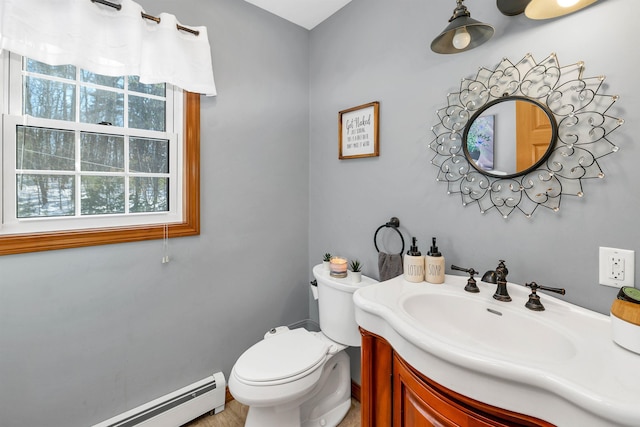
(499, 277)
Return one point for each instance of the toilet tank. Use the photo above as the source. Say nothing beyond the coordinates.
(336, 307)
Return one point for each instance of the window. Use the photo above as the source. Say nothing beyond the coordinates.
(91, 159)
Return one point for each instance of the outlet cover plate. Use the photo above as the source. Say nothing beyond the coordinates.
(617, 267)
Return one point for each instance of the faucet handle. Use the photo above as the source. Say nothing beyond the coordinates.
(534, 299)
(534, 286)
(471, 283)
(471, 271)
(502, 271)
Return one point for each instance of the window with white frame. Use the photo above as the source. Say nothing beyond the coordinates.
(82, 150)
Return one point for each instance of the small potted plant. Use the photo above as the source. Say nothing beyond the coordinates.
(356, 270)
(325, 260)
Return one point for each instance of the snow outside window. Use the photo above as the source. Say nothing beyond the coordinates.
(82, 150)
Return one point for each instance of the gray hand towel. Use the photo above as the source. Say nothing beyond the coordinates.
(389, 265)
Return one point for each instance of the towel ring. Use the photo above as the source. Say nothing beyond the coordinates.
(393, 223)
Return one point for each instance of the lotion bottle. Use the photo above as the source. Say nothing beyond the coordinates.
(413, 264)
(434, 261)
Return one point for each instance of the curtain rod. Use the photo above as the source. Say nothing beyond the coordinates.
(145, 16)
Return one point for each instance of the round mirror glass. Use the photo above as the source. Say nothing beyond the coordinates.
(509, 137)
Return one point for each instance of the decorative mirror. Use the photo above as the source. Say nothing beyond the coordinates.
(522, 135)
(509, 136)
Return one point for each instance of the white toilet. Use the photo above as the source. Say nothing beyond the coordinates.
(298, 377)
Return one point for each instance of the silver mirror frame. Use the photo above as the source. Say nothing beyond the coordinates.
(583, 127)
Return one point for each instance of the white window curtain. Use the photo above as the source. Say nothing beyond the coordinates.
(108, 41)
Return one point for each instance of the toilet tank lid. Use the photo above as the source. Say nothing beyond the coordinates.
(281, 356)
(323, 276)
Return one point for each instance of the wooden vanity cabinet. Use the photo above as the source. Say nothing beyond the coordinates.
(394, 394)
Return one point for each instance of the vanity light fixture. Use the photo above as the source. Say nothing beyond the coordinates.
(546, 9)
(463, 33)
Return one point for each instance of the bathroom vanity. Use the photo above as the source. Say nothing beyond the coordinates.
(437, 355)
(410, 399)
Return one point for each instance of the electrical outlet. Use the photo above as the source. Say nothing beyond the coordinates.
(617, 267)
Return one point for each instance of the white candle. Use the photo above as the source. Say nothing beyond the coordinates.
(338, 267)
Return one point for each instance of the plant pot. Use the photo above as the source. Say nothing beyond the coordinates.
(325, 264)
(356, 276)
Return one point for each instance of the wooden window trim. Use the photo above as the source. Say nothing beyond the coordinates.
(36, 242)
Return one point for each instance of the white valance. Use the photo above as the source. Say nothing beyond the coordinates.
(108, 41)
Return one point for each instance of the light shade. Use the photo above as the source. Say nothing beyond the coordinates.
(461, 21)
(546, 9)
(512, 7)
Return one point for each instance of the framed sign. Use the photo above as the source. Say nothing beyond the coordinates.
(358, 131)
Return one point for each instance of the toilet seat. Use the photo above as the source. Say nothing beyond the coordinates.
(282, 358)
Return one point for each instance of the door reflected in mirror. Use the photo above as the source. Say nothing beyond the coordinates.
(509, 137)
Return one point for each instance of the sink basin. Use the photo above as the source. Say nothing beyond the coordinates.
(560, 365)
(488, 327)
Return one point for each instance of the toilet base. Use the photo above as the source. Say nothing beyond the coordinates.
(284, 418)
(331, 418)
(291, 417)
(325, 405)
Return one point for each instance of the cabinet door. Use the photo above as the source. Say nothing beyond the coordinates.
(417, 404)
(395, 394)
(411, 410)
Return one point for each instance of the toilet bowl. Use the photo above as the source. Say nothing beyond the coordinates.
(293, 378)
(299, 377)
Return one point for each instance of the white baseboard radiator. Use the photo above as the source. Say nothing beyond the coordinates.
(177, 408)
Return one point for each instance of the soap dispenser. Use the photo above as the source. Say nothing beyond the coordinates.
(434, 265)
(414, 264)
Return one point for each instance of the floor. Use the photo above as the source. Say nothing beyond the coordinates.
(234, 414)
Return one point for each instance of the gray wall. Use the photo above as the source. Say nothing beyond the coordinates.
(86, 334)
(377, 50)
(89, 333)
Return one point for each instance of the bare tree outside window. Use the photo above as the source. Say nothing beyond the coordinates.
(78, 173)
